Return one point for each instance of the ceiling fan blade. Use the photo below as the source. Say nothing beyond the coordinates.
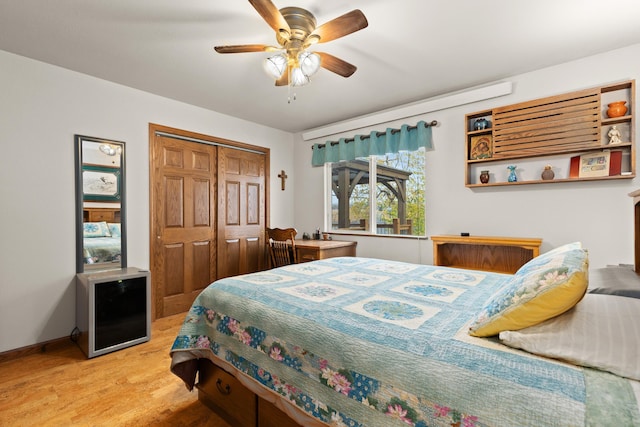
(242, 48)
(284, 80)
(271, 15)
(341, 26)
(336, 65)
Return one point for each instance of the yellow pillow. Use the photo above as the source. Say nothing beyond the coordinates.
(545, 287)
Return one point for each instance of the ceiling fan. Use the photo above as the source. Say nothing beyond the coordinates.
(296, 31)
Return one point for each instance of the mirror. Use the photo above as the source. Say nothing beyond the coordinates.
(101, 241)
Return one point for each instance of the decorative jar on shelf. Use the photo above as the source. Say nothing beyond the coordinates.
(547, 173)
(512, 174)
(617, 109)
(484, 177)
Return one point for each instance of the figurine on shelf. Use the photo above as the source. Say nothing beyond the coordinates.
(614, 135)
(512, 174)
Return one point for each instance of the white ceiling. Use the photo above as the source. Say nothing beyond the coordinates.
(412, 49)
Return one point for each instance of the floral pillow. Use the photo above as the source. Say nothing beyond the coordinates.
(557, 251)
(114, 229)
(96, 229)
(545, 287)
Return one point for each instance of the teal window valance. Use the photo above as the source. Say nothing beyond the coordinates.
(407, 138)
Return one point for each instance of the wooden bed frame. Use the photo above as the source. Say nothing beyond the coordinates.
(228, 397)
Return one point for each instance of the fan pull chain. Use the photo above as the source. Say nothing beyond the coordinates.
(289, 87)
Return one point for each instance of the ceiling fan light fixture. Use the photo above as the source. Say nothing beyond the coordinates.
(276, 65)
(309, 63)
(296, 30)
(298, 78)
(108, 149)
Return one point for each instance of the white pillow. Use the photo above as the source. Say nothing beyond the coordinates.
(601, 331)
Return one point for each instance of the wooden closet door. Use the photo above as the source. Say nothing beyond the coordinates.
(241, 207)
(183, 225)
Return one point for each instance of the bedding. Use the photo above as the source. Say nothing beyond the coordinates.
(613, 277)
(544, 287)
(602, 331)
(364, 342)
(96, 229)
(101, 242)
(615, 280)
(623, 292)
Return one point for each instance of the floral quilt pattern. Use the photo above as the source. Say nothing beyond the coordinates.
(370, 392)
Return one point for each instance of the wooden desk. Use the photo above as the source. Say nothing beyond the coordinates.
(311, 250)
(497, 254)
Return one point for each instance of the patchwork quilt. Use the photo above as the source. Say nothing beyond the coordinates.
(366, 342)
(102, 249)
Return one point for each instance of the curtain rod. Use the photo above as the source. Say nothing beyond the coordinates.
(347, 140)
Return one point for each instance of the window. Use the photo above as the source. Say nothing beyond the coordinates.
(389, 188)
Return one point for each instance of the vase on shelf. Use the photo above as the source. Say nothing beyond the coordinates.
(617, 109)
(547, 173)
(484, 177)
(512, 174)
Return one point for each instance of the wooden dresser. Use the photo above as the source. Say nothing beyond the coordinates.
(101, 214)
(311, 250)
(496, 254)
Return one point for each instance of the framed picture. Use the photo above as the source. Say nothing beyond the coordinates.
(594, 164)
(480, 147)
(101, 184)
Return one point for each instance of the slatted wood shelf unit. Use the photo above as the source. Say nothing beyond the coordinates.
(551, 129)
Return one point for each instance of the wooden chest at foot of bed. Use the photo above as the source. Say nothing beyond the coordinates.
(227, 397)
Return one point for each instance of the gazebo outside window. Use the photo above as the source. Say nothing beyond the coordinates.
(350, 182)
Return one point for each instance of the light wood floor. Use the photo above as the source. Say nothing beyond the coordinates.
(130, 387)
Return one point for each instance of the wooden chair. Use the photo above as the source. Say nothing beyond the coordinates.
(282, 246)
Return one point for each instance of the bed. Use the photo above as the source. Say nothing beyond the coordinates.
(101, 242)
(366, 342)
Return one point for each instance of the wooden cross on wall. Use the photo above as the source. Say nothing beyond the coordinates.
(283, 176)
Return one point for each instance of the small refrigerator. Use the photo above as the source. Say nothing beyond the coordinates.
(113, 310)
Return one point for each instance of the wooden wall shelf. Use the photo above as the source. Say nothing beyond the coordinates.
(553, 130)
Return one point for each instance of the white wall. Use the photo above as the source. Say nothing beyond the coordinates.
(41, 108)
(598, 213)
